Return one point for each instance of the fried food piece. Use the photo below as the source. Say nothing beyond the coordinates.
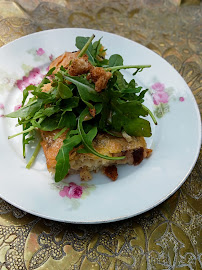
(79, 66)
(85, 163)
(51, 147)
(100, 77)
(85, 174)
(70, 60)
(46, 87)
(63, 60)
(111, 172)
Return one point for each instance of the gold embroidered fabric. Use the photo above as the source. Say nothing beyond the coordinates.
(167, 237)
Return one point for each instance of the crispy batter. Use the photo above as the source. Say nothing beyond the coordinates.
(79, 66)
(103, 143)
(148, 153)
(46, 87)
(100, 77)
(51, 147)
(111, 172)
(63, 60)
(85, 174)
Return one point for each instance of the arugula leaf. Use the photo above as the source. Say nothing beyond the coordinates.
(59, 76)
(68, 120)
(86, 141)
(63, 166)
(115, 60)
(90, 136)
(141, 95)
(86, 90)
(80, 43)
(44, 81)
(69, 104)
(50, 123)
(126, 116)
(59, 133)
(26, 92)
(96, 48)
(24, 139)
(137, 126)
(46, 112)
(27, 111)
(50, 71)
(64, 91)
(120, 81)
(42, 95)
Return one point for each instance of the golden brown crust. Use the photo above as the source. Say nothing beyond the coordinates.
(105, 144)
(85, 174)
(51, 147)
(63, 60)
(46, 87)
(79, 66)
(100, 77)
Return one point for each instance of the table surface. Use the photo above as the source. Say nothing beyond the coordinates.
(167, 237)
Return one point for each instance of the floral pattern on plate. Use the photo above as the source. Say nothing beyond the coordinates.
(161, 96)
(73, 192)
(40, 54)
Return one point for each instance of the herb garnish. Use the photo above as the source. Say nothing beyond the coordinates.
(67, 107)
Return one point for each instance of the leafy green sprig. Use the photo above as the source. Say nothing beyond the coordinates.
(66, 107)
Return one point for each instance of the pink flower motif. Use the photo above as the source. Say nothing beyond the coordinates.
(17, 107)
(72, 191)
(1, 106)
(40, 51)
(34, 78)
(51, 57)
(47, 69)
(181, 99)
(158, 86)
(1, 115)
(160, 97)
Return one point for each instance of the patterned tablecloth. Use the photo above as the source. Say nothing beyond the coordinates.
(167, 237)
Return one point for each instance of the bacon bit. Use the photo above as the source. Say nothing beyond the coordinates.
(111, 172)
(92, 112)
(100, 77)
(138, 155)
(79, 66)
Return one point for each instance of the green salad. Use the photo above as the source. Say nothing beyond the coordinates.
(73, 105)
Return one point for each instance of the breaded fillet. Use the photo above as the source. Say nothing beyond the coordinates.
(134, 151)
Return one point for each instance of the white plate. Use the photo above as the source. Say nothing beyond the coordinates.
(175, 141)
